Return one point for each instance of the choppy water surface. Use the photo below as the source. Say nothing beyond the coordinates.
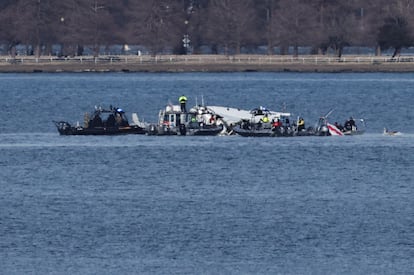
(226, 205)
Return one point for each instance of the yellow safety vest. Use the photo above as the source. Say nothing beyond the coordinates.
(182, 99)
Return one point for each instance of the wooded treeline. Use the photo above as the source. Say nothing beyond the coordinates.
(225, 26)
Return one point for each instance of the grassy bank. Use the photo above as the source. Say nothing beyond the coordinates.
(240, 63)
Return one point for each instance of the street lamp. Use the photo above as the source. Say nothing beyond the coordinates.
(186, 39)
(62, 34)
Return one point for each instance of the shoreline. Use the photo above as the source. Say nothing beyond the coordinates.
(206, 67)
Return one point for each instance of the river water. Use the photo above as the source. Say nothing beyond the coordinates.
(212, 205)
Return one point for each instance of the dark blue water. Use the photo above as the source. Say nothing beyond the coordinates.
(214, 205)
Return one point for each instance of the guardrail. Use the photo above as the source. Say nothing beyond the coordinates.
(204, 59)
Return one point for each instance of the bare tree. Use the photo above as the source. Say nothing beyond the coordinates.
(232, 23)
(32, 22)
(395, 27)
(8, 27)
(195, 16)
(293, 23)
(82, 23)
(155, 24)
(395, 33)
(159, 25)
(268, 19)
(366, 26)
(99, 24)
(69, 26)
(337, 23)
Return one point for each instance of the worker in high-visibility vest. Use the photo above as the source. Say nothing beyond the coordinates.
(265, 119)
(301, 124)
(183, 99)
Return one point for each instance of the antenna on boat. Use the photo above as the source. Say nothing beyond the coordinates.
(202, 100)
(284, 107)
(330, 112)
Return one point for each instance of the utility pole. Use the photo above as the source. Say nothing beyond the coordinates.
(95, 9)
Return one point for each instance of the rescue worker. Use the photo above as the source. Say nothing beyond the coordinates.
(212, 119)
(352, 123)
(287, 122)
(339, 126)
(277, 123)
(301, 124)
(183, 99)
(265, 119)
(349, 125)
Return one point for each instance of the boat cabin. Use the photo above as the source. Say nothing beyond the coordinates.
(114, 117)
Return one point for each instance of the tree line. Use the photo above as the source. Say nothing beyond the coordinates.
(221, 26)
